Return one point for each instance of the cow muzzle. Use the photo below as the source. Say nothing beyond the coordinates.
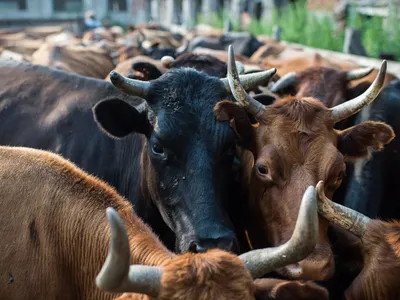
(200, 243)
(319, 265)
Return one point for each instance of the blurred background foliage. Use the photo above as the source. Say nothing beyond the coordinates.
(299, 25)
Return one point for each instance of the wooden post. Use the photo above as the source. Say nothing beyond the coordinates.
(155, 10)
(209, 7)
(276, 33)
(236, 10)
(189, 13)
(173, 11)
(353, 43)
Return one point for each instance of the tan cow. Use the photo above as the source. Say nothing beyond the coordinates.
(54, 237)
(87, 61)
(380, 247)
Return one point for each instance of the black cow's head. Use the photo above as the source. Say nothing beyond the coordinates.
(188, 156)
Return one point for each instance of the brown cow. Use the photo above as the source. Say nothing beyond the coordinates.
(54, 236)
(126, 68)
(213, 275)
(295, 145)
(330, 85)
(380, 243)
(87, 61)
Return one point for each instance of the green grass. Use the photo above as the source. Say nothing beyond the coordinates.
(303, 27)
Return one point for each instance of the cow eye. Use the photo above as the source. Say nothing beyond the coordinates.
(340, 177)
(157, 149)
(338, 180)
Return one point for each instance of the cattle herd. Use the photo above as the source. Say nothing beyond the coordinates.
(176, 164)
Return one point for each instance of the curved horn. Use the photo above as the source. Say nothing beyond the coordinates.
(283, 82)
(167, 61)
(301, 244)
(183, 49)
(116, 275)
(248, 81)
(130, 86)
(252, 106)
(358, 73)
(340, 215)
(353, 106)
(239, 67)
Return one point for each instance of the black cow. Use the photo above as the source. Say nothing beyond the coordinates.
(244, 43)
(373, 185)
(208, 64)
(175, 158)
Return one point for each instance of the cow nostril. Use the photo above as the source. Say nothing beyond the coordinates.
(262, 170)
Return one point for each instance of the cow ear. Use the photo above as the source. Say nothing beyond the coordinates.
(358, 141)
(149, 71)
(240, 122)
(265, 99)
(118, 118)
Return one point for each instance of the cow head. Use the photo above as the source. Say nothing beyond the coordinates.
(188, 155)
(380, 242)
(329, 85)
(293, 145)
(215, 274)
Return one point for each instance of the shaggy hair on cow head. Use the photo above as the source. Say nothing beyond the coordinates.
(219, 275)
(295, 145)
(379, 277)
(380, 245)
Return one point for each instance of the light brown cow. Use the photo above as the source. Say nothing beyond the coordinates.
(54, 236)
(295, 145)
(87, 61)
(380, 244)
(125, 68)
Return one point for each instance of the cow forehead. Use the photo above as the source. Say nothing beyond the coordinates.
(179, 129)
(304, 136)
(186, 89)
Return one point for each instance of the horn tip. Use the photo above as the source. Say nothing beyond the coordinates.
(384, 65)
(320, 188)
(114, 77)
(167, 61)
(111, 213)
(310, 192)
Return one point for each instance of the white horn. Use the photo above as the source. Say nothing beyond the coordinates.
(353, 106)
(283, 82)
(340, 215)
(130, 86)
(358, 73)
(116, 275)
(301, 244)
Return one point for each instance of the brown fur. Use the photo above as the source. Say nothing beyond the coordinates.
(272, 289)
(295, 60)
(327, 84)
(92, 62)
(379, 278)
(54, 230)
(55, 238)
(296, 143)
